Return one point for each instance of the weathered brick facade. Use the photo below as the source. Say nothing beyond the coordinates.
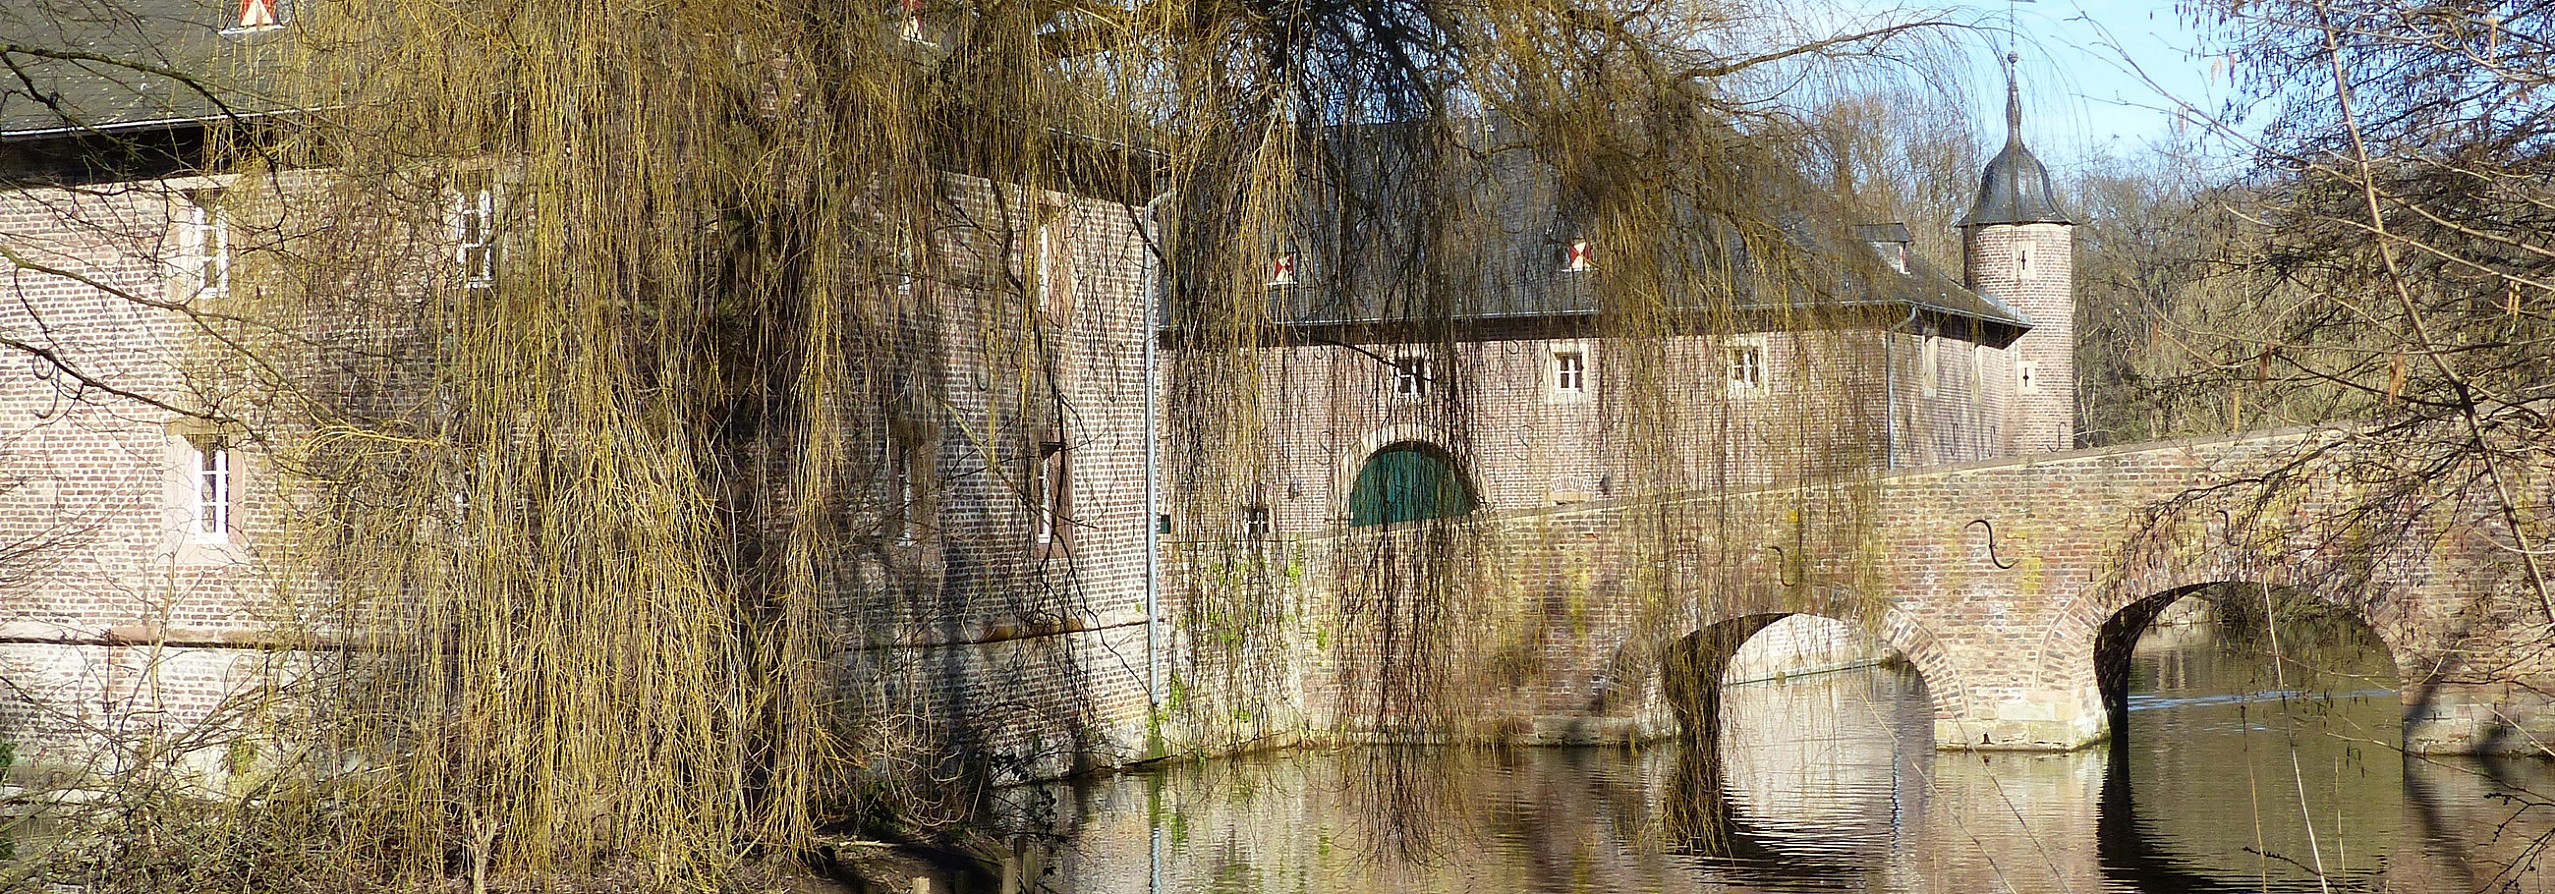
(126, 632)
(120, 619)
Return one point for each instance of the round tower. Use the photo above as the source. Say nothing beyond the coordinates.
(2019, 249)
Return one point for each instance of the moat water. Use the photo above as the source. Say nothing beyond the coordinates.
(2237, 773)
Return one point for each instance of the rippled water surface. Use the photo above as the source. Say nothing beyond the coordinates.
(2236, 774)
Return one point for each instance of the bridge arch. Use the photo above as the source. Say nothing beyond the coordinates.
(2118, 636)
(2198, 549)
(1694, 655)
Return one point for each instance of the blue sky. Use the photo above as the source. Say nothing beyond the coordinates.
(2097, 74)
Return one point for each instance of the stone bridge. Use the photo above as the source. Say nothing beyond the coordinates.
(2015, 587)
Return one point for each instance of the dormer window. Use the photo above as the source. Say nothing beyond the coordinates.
(256, 15)
(1889, 241)
(1282, 268)
(911, 26)
(1578, 258)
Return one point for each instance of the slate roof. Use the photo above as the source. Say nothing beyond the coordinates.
(90, 66)
(1517, 221)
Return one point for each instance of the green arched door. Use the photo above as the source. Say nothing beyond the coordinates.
(1406, 482)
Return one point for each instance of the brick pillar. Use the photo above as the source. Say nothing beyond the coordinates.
(2021, 698)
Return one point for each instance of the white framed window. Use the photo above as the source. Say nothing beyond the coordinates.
(1570, 372)
(204, 243)
(1579, 257)
(1410, 377)
(1929, 363)
(1282, 268)
(475, 232)
(1745, 368)
(2026, 377)
(212, 520)
(1256, 521)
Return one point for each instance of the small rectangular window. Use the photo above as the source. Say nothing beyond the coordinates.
(2023, 261)
(213, 489)
(904, 514)
(1255, 521)
(2026, 377)
(1051, 495)
(1410, 377)
(1570, 372)
(1747, 369)
(204, 242)
(1580, 257)
(475, 233)
(1928, 366)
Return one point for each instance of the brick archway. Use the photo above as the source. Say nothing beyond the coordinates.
(2119, 635)
(2176, 556)
(1693, 655)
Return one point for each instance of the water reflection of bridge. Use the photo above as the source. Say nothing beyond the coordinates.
(1824, 784)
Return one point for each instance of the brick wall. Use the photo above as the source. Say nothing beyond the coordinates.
(113, 568)
(123, 626)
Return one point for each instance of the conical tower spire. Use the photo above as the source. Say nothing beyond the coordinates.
(2013, 103)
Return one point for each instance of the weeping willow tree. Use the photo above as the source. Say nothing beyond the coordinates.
(592, 523)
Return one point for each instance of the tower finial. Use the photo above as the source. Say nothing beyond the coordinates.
(2013, 101)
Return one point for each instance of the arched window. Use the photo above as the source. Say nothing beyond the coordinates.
(1406, 482)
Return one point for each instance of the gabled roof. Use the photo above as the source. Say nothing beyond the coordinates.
(1517, 221)
(100, 66)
